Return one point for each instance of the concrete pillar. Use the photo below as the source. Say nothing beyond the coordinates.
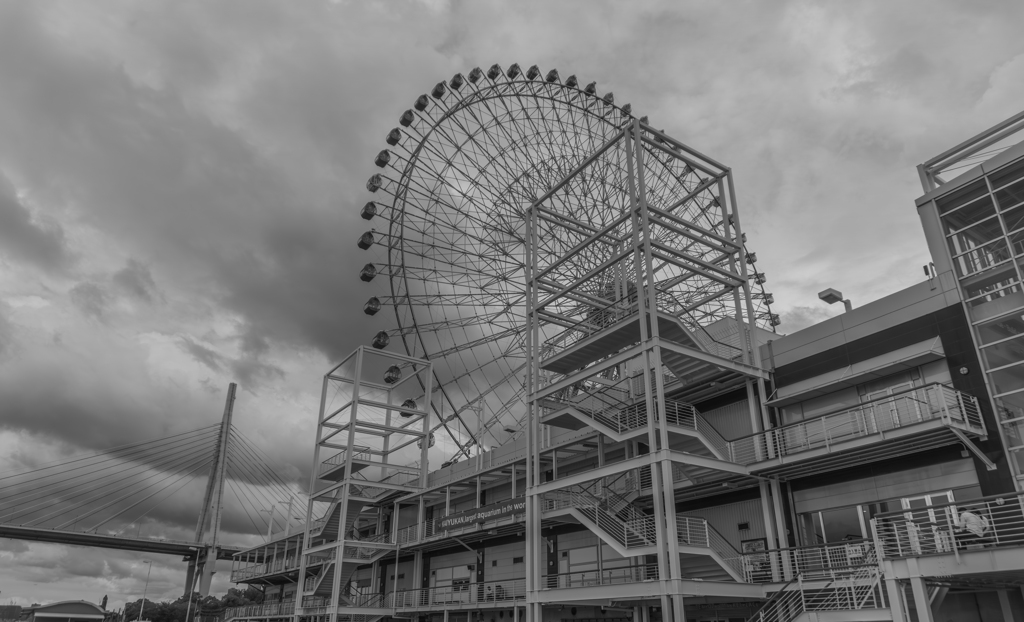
(190, 577)
(207, 569)
(678, 611)
(921, 601)
(1004, 604)
(894, 596)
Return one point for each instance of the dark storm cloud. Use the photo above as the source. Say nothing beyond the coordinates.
(248, 370)
(24, 239)
(202, 354)
(136, 280)
(91, 299)
(165, 177)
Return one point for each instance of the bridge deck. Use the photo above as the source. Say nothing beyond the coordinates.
(142, 545)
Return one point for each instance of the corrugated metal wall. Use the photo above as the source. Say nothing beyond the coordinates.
(726, 519)
(732, 421)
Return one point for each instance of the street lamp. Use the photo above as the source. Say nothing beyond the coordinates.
(145, 590)
(832, 296)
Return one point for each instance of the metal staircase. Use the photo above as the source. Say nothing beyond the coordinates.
(859, 589)
(705, 553)
(623, 420)
(319, 585)
(609, 515)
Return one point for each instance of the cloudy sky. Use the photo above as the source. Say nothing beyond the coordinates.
(180, 183)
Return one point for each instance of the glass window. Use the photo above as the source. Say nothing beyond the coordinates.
(969, 492)
(841, 524)
(973, 237)
(1006, 326)
(1010, 195)
(990, 284)
(981, 258)
(1004, 353)
(1009, 379)
(1014, 433)
(1010, 406)
(994, 294)
(1007, 175)
(968, 215)
(962, 196)
(1017, 243)
(1014, 218)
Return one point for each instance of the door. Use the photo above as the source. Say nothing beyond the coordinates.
(928, 528)
(897, 412)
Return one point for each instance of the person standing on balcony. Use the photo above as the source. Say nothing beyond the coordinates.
(975, 525)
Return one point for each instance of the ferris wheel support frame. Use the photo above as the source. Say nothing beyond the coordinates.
(466, 161)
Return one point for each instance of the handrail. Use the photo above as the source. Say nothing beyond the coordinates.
(465, 593)
(995, 521)
(924, 403)
(607, 576)
(256, 570)
(282, 608)
(780, 603)
(877, 400)
(934, 401)
(818, 561)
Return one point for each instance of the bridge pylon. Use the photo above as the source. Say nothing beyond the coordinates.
(202, 567)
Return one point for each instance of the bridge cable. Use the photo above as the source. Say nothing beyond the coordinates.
(98, 484)
(243, 462)
(244, 453)
(123, 497)
(234, 492)
(150, 496)
(174, 451)
(247, 442)
(257, 486)
(157, 504)
(287, 491)
(108, 458)
(196, 454)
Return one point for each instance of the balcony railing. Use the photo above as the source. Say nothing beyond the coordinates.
(607, 576)
(693, 531)
(259, 570)
(906, 408)
(431, 529)
(267, 610)
(338, 459)
(616, 311)
(986, 523)
(634, 530)
(815, 562)
(462, 594)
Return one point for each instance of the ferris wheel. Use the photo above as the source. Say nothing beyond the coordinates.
(447, 237)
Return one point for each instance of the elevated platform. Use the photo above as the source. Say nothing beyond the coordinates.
(696, 360)
(973, 542)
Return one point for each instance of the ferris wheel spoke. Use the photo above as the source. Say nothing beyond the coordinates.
(467, 160)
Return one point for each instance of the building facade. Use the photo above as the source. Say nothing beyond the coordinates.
(864, 468)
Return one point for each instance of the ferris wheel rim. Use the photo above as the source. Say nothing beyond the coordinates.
(406, 314)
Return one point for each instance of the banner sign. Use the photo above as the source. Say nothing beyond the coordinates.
(481, 514)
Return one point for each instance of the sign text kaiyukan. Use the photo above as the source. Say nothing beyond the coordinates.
(481, 514)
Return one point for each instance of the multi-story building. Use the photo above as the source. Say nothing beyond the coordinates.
(864, 468)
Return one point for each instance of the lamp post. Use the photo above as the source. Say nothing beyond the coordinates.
(832, 296)
(142, 607)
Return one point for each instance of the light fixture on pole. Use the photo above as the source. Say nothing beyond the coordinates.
(832, 296)
(270, 522)
(189, 589)
(142, 607)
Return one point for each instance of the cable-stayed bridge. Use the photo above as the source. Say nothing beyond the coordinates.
(214, 473)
